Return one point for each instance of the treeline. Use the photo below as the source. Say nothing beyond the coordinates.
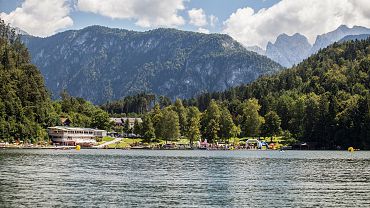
(81, 113)
(216, 123)
(26, 109)
(25, 105)
(137, 104)
(324, 100)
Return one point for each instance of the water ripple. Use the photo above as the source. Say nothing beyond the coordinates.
(116, 178)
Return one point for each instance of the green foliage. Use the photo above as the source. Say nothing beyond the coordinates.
(137, 127)
(82, 113)
(168, 126)
(227, 126)
(182, 114)
(324, 100)
(139, 103)
(100, 120)
(147, 130)
(126, 126)
(272, 124)
(211, 122)
(25, 107)
(249, 117)
(193, 129)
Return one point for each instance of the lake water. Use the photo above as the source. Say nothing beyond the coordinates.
(134, 178)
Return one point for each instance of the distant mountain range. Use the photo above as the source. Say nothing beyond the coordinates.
(354, 37)
(100, 64)
(291, 50)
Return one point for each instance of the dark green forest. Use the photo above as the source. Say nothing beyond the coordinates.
(324, 100)
(26, 109)
(25, 105)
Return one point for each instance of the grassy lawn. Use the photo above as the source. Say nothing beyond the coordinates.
(105, 139)
(124, 143)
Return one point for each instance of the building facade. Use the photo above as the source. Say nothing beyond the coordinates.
(63, 135)
(122, 121)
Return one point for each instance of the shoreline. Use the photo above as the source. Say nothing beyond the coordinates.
(153, 149)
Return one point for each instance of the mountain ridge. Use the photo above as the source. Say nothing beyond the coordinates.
(291, 50)
(100, 63)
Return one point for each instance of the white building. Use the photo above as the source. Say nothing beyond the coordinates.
(72, 136)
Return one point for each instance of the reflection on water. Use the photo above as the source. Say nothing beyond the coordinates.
(118, 178)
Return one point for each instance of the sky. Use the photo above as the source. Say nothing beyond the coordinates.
(251, 22)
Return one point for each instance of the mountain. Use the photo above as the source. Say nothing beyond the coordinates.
(288, 50)
(326, 39)
(354, 37)
(324, 100)
(291, 50)
(100, 64)
(256, 49)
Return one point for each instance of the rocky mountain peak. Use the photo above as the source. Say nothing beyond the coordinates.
(288, 50)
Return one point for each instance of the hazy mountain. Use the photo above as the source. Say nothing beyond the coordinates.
(256, 49)
(322, 41)
(100, 64)
(288, 50)
(354, 37)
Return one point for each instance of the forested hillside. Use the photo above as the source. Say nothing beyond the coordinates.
(101, 64)
(25, 105)
(26, 109)
(324, 100)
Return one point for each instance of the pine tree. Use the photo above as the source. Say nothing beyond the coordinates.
(181, 112)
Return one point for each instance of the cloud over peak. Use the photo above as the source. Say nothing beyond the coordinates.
(146, 13)
(197, 17)
(40, 17)
(308, 17)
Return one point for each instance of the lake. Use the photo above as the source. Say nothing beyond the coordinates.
(139, 178)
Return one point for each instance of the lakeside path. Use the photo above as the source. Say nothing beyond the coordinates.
(108, 143)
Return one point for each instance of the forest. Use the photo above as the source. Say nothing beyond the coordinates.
(325, 100)
(26, 108)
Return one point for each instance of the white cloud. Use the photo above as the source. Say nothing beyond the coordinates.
(146, 13)
(308, 17)
(197, 17)
(213, 20)
(40, 17)
(203, 30)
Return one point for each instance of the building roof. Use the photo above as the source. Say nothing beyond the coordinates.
(66, 128)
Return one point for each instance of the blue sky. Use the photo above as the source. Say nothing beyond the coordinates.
(251, 22)
(222, 9)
